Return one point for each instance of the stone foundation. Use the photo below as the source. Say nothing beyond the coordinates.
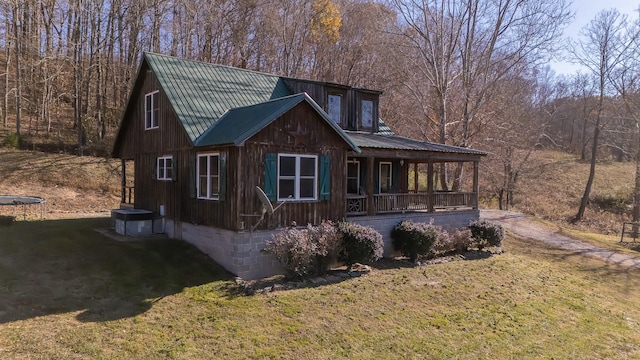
(241, 252)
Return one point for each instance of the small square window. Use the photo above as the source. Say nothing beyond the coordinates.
(165, 168)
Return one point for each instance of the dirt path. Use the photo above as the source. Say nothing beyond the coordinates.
(520, 225)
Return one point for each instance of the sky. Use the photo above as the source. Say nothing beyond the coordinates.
(585, 11)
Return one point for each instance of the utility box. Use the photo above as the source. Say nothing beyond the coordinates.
(132, 222)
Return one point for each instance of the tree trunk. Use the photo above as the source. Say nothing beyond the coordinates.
(592, 173)
(18, 81)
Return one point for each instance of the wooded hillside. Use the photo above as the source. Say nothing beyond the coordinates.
(470, 73)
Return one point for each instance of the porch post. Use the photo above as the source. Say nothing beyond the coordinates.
(476, 184)
(430, 184)
(123, 192)
(370, 174)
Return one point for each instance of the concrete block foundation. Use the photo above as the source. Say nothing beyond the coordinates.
(241, 252)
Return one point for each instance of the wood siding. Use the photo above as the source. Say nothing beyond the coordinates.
(352, 97)
(276, 138)
(244, 171)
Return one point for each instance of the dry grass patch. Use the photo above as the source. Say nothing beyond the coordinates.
(552, 185)
(69, 184)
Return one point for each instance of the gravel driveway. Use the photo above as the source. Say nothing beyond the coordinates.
(521, 225)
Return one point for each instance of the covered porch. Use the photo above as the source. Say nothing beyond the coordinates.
(399, 175)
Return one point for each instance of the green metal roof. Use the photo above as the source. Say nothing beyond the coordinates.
(395, 142)
(384, 129)
(200, 93)
(239, 124)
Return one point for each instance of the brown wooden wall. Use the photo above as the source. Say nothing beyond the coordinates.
(321, 140)
(245, 167)
(319, 92)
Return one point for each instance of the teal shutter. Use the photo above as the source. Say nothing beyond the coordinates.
(154, 169)
(222, 192)
(325, 179)
(270, 175)
(174, 169)
(192, 168)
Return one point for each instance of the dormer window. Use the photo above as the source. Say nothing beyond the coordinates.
(335, 108)
(366, 111)
(151, 110)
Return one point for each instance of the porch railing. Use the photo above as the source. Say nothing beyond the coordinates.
(357, 204)
(445, 200)
(401, 202)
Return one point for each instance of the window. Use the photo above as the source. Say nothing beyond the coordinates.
(335, 108)
(151, 110)
(208, 176)
(353, 177)
(164, 168)
(367, 113)
(297, 177)
(385, 177)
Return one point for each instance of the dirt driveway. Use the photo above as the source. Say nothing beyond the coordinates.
(522, 226)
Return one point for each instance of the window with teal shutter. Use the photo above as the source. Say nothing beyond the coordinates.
(270, 174)
(325, 180)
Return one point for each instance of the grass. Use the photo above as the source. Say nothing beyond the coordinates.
(66, 291)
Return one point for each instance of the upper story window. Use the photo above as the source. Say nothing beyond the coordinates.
(164, 168)
(208, 176)
(151, 110)
(366, 112)
(334, 109)
(297, 177)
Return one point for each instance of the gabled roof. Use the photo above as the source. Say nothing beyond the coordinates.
(200, 93)
(239, 124)
(395, 142)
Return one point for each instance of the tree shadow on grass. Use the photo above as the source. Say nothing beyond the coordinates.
(61, 266)
(609, 264)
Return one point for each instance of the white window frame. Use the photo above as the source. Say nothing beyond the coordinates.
(164, 172)
(380, 175)
(371, 113)
(209, 195)
(151, 110)
(340, 98)
(297, 177)
(357, 162)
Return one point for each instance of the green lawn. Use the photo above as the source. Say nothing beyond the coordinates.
(67, 291)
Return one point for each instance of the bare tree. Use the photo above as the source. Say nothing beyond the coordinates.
(601, 50)
(625, 77)
(462, 48)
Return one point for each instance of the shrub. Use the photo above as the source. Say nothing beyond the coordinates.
(461, 240)
(305, 252)
(485, 233)
(327, 240)
(457, 242)
(415, 239)
(360, 244)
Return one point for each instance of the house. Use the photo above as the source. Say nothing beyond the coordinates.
(202, 137)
